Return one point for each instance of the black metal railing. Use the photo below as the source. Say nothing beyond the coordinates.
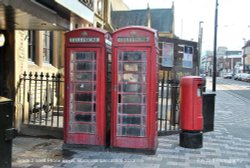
(42, 99)
(168, 105)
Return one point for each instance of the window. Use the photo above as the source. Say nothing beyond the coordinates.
(99, 7)
(48, 47)
(32, 45)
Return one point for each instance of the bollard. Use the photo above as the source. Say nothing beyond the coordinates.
(7, 133)
(208, 106)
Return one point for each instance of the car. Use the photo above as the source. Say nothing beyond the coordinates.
(203, 75)
(245, 77)
(236, 76)
(242, 76)
(248, 78)
(228, 75)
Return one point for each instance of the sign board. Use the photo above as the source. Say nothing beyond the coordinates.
(187, 61)
(167, 55)
(132, 39)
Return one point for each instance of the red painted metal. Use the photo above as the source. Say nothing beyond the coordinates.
(134, 88)
(191, 118)
(85, 86)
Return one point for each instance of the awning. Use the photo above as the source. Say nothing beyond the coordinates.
(29, 15)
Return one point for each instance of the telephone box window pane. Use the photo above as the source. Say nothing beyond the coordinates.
(83, 87)
(134, 67)
(130, 120)
(83, 117)
(84, 55)
(131, 67)
(86, 128)
(131, 98)
(83, 97)
(131, 109)
(83, 76)
(134, 56)
(130, 77)
(83, 107)
(81, 66)
(132, 88)
(131, 131)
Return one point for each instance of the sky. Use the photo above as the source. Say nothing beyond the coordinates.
(233, 20)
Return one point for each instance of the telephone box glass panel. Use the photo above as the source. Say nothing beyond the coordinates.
(83, 92)
(132, 69)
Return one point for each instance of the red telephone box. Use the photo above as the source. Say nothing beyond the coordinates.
(85, 86)
(191, 118)
(134, 88)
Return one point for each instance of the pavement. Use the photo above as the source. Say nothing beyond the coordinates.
(226, 147)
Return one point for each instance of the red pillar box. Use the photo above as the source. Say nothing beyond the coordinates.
(134, 89)
(191, 119)
(85, 86)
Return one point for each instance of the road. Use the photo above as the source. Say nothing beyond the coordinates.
(239, 89)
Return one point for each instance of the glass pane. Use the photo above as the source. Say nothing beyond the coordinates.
(87, 128)
(83, 107)
(130, 109)
(131, 98)
(83, 87)
(130, 77)
(132, 88)
(83, 97)
(134, 56)
(84, 55)
(82, 76)
(81, 66)
(134, 67)
(130, 120)
(83, 117)
(131, 131)
(131, 67)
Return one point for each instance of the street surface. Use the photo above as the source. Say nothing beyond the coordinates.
(226, 147)
(237, 88)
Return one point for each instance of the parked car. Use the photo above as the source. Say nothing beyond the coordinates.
(236, 76)
(242, 76)
(203, 75)
(228, 75)
(245, 77)
(248, 78)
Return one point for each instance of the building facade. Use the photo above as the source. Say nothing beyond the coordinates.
(33, 35)
(246, 57)
(159, 19)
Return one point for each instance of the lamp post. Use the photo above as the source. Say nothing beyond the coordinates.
(199, 45)
(215, 47)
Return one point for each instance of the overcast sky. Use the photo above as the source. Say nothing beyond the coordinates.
(233, 20)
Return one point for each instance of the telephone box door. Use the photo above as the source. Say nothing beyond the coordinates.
(130, 101)
(85, 120)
